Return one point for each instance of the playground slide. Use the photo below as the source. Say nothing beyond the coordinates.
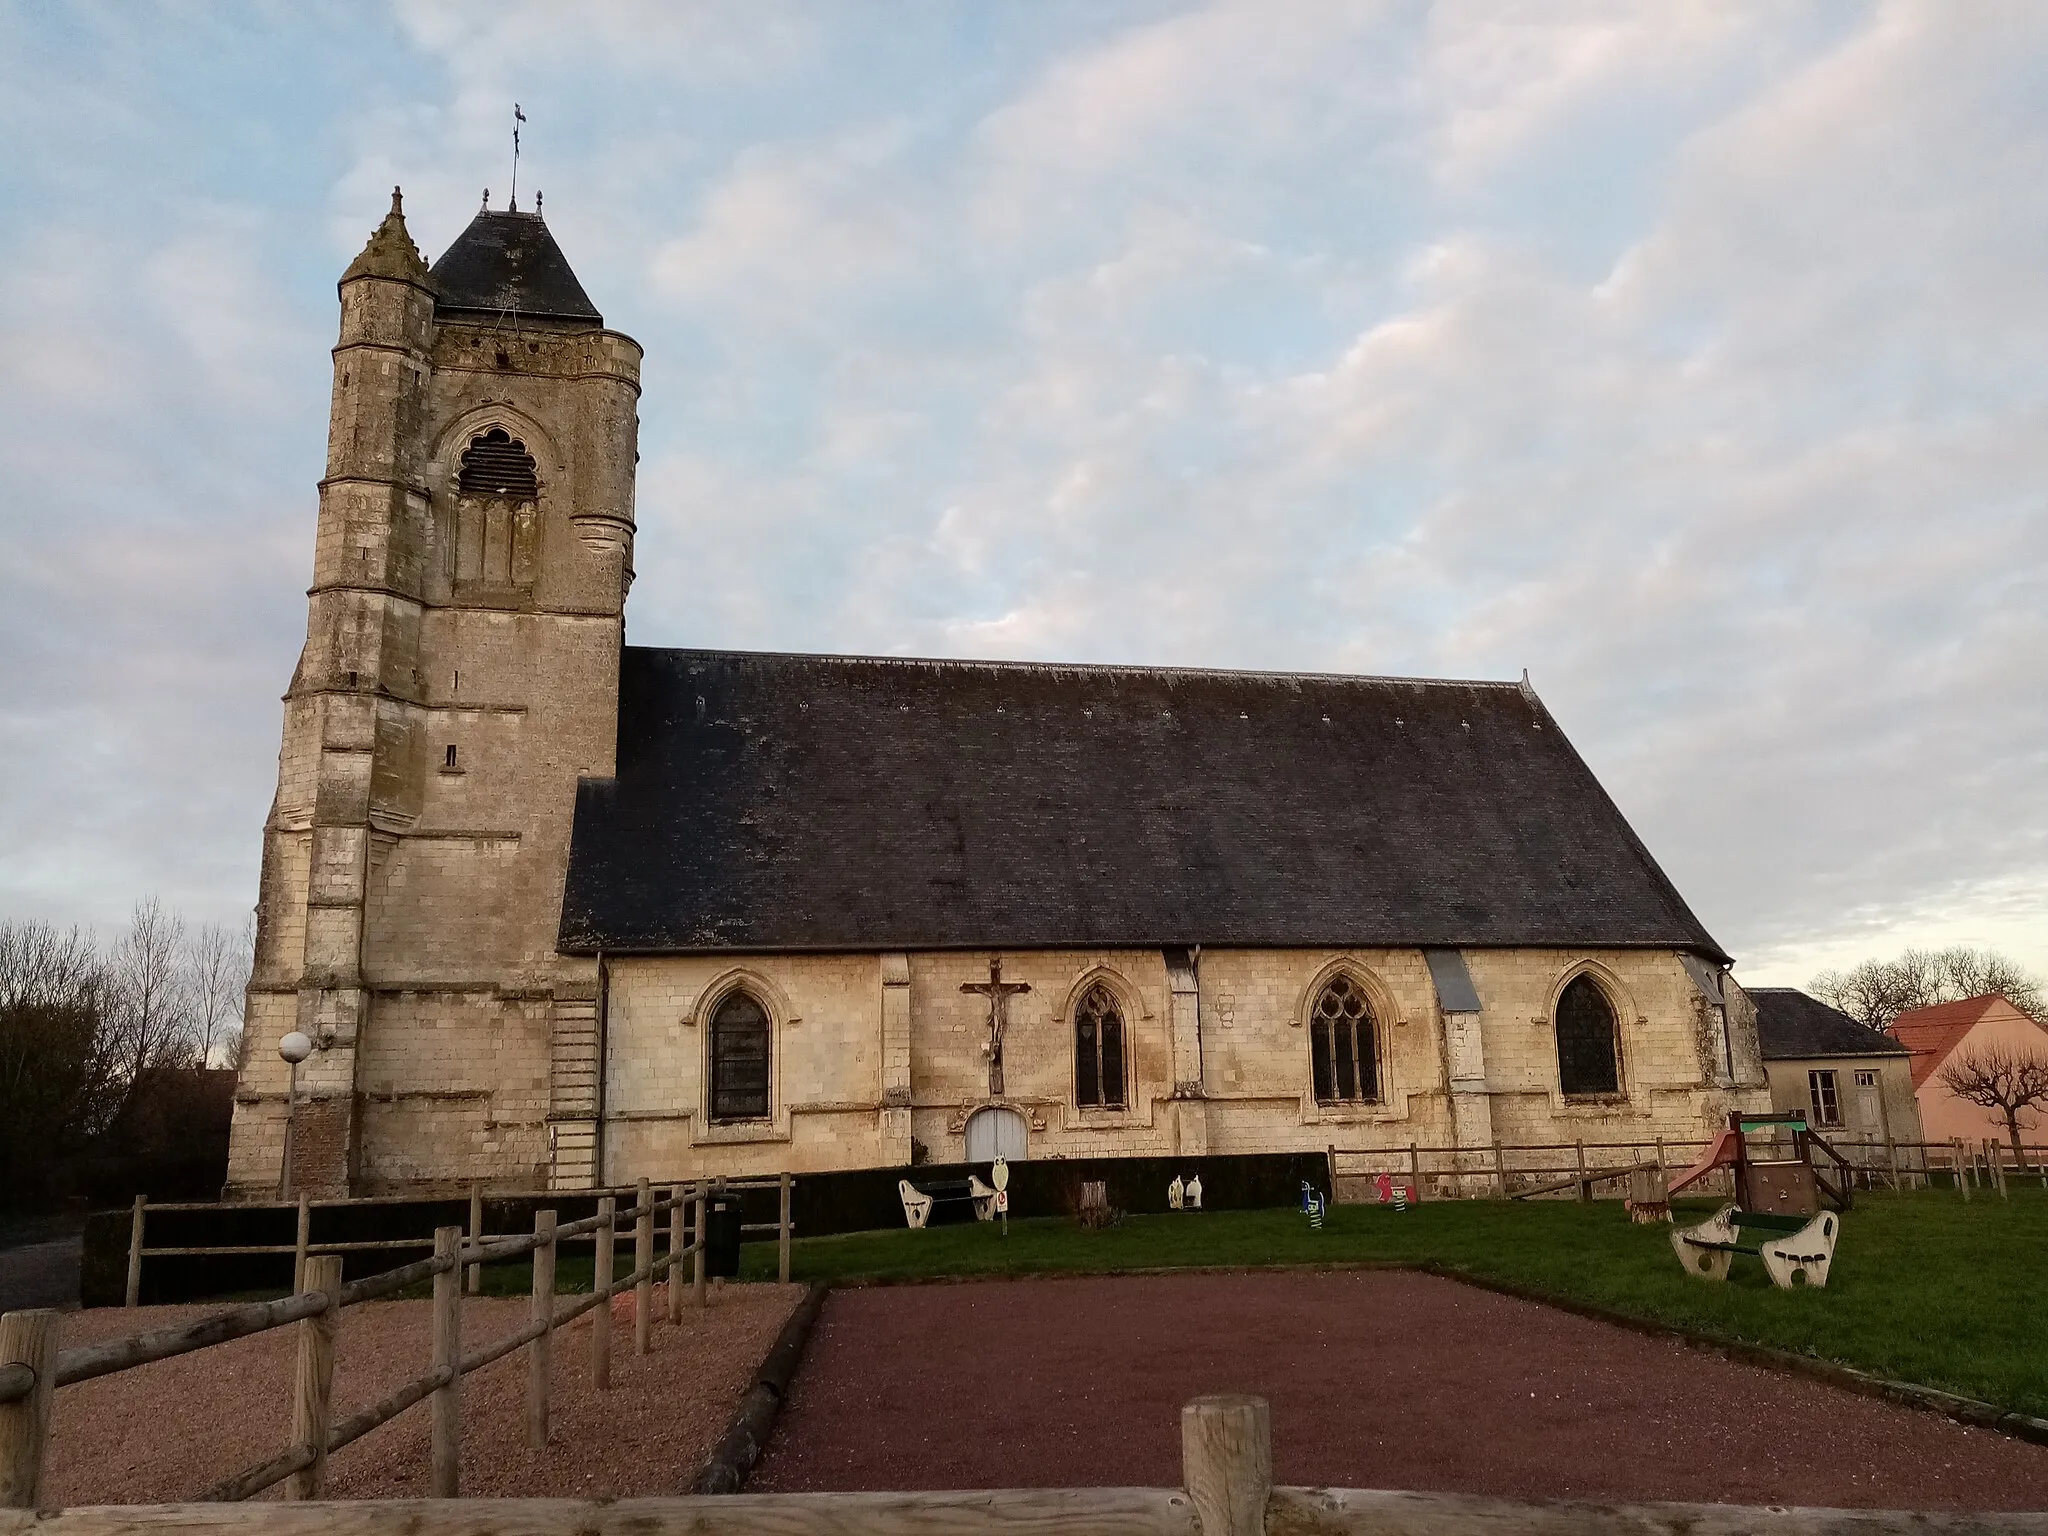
(1719, 1155)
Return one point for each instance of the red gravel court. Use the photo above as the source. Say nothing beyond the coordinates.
(1376, 1379)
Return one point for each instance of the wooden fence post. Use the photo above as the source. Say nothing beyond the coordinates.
(447, 1400)
(1226, 1458)
(474, 1280)
(1414, 1170)
(1995, 1155)
(782, 1231)
(135, 1254)
(539, 1354)
(313, 1379)
(1955, 1149)
(1500, 1172)
(697, 1275)
(643, 1263)
(678, 1240)
(1585, 1184)
(601, 1281)
(301, 1243)
(30, 1339)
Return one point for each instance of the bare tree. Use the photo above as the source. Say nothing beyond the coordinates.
(217, 960)
(1878, 991)
(2012, 1081)
(151, 1012)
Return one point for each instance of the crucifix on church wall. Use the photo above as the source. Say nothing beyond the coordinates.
(998, 993)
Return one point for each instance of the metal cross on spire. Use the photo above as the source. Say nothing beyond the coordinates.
(518, 117)
(998, 992)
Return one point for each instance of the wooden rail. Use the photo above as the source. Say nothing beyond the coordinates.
(303, 1246)
(32, 1367)
(1226, 1490)
(1498, 1169)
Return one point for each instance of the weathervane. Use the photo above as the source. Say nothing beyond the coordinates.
(518, 117)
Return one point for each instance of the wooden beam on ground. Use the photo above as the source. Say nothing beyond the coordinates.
(1003, 1512)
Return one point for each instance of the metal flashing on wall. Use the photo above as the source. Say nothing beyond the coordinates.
(1454, 989)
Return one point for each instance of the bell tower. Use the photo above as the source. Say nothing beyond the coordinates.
(460, 671)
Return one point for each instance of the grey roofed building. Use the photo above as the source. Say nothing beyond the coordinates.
(1791, 1026)
(774, 802)
(508, 263)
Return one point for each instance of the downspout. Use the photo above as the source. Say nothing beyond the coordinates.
(604, 998)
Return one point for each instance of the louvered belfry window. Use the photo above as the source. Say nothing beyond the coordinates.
(739, 1060)
(1098, 1051)
(1344, 1046)
(497, 464)
(1588, 1065)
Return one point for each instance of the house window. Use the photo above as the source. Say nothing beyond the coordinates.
(1866, 1079)
(1343, 1046)
(1827, 1101)
(1098, 1051)
(739, 1060)
(497, 464)
(1588, 1066)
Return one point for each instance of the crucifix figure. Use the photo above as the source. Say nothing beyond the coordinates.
(996, 990)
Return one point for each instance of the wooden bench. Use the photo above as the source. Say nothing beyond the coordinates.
(1796, 1250)
(940, 1201)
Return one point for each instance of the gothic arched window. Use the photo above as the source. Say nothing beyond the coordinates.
(1343, 1045)
(496, 464)
(739, 1059)
(1098, 1051)
(1588, 1065)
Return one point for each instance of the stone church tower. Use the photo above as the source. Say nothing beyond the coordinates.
(460, 673)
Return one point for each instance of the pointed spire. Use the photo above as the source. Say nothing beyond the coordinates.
(390, 252)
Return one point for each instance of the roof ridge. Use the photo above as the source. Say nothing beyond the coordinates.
(1106, 668)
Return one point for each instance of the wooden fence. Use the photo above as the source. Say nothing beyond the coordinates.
(303, 1245)
(1226, 1490)
(32, 1366)
(1506, 1170)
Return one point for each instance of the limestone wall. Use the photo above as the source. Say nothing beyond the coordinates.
(831, 1104)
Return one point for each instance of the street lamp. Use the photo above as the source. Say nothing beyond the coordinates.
(294, 1048)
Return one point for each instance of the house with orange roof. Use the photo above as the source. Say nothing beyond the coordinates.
(1954, 1032)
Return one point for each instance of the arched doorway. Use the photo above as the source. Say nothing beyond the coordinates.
(996, 1132)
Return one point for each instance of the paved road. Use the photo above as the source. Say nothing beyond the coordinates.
(40, 1274)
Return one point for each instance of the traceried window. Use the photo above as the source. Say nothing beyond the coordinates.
(1098, 1051)
(1588, 1065)
(1827, 1098)
(1344, 1046)
(739, 1060)
(496, 464)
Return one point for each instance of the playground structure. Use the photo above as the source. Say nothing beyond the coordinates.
(1779, 1185)
(1776, 1212)
(1795, 1252)
(942, 1201)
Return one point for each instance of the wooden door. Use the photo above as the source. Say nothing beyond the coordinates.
(996, 1132)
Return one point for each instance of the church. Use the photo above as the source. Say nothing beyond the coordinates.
(556, 911)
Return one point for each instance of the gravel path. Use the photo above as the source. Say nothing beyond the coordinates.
(41, 1274)
(168, 1431)
(1377, 1380)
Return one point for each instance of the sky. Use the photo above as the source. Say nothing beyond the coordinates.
(1693, 357)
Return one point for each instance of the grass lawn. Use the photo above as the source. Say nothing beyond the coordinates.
(1925, 1287)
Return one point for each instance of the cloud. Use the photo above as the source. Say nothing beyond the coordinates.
(1690, 356)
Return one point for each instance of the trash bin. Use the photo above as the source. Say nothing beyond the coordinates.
(722, 1237)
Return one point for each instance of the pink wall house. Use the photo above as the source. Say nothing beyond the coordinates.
(1935, 1035)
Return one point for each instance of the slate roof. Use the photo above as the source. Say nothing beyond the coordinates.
(773, 802)
(1792, 1025)
(508, 262)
